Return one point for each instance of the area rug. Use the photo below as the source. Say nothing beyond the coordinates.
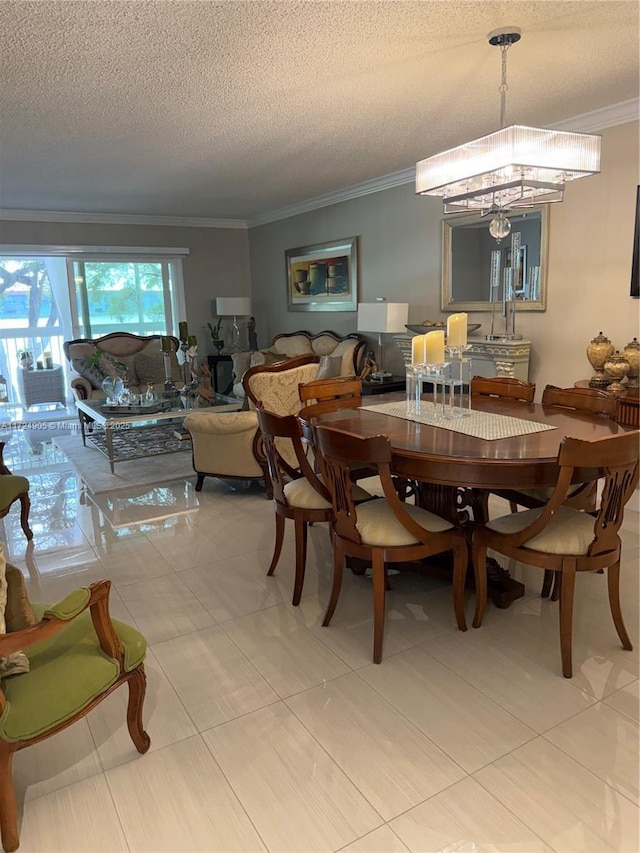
(93, 466)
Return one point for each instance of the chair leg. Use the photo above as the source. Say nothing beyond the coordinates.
(25, 506)
(379, 595)
(479, 558)
(199, 482)
(338, 567)
(613, 583)
(567, 587)
(513, 507)
(8, 810)
(557, 586)
(137, 690)
(301, 559)
(460, 560)
(277, 548)
(546, 584)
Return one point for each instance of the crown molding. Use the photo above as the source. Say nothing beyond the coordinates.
(610, 116)
(375, 185)
(119, 219)
(620, 113)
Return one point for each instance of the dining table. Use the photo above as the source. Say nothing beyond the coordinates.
(451, 473)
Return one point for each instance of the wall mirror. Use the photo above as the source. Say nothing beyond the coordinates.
(466, 260)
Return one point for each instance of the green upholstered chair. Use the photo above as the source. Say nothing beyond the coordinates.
(78, 655)
(14, 488)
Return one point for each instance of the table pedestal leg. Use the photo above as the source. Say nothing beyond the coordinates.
(109, 436)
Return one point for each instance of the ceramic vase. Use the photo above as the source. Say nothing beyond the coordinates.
(616, 367)
(632, 354)
(598, 353)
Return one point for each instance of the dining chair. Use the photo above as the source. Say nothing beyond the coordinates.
(504, 387)
(564, 540)
(327, 395)
(383, 530)
(77, 656)
(298, 492)
(590, 401)
(14, 488)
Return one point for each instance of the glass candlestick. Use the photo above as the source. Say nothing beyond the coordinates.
(416, 375)
(457, 382)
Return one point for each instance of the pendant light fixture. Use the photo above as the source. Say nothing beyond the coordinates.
(513, 167)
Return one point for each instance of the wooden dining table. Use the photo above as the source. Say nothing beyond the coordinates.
(451, 473)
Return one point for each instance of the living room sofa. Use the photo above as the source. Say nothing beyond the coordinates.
(350, 349)
(138, 358)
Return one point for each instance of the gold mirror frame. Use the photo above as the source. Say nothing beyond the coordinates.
(448, 224)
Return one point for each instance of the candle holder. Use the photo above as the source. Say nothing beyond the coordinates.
(457, 383)
(416, 374)
(169, 385)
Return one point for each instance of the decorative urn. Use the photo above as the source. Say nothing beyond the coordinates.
(598, 353)
(632, 353)
(616, 367)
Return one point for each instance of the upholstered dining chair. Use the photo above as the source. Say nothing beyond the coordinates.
(384, 530)
(563, 540)
(298, 492)
(590, 401)
(77, 656)
(14, 488)
(503, 387)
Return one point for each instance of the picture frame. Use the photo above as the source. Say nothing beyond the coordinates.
(323, 277)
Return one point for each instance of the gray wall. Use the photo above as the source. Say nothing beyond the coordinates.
(217, 264)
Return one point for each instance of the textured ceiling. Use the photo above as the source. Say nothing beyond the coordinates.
(232, 109)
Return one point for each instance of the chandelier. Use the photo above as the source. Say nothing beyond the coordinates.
(513, 167)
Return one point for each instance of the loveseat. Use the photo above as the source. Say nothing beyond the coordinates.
(339, 355)
(136, 359)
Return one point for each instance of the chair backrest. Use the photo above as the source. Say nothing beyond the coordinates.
(327, 395)
(617, 457)
(276, 429)
(592, 400)
(275, 386)
(335, 451)
(504, 387)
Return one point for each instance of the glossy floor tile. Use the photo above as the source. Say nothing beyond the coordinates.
(296, 796)
(270, 732)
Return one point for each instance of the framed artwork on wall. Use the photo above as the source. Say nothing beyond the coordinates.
(323, 277)
(635, 258)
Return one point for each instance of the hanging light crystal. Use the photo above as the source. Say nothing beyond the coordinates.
(500, 227)
(516, 166)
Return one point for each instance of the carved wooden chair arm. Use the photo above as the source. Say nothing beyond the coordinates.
(54, 619)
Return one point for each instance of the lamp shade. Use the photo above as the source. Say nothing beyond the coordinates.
(233, 306)
(382, 316)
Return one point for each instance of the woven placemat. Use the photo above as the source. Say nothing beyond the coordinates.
(477, 424)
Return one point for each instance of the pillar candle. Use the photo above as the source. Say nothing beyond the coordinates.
(434, 347)
(457, 330)
(183, 331)
(418, 349)
(165, 344)
(192, 341)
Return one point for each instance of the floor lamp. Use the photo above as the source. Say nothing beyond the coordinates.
(384, 318)
(234, 306)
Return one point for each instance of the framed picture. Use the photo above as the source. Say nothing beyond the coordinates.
(323, 277)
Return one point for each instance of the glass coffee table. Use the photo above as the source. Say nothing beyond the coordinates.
(132, 425)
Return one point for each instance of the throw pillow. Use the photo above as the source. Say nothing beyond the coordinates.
(329, 367)
(18, 662)
(91, 373)
(265, 356)
(150, 368)
(110, 366)
(18, 613)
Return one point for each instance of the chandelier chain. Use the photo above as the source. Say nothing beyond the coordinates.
(503, 88)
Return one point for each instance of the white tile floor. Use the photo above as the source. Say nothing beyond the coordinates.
(269, 732)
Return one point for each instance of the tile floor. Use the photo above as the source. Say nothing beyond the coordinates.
(269, 732)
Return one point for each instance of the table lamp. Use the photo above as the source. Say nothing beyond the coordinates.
(234, 306)
(384, 318)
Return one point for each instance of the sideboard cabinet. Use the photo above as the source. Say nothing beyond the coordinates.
(488, 358)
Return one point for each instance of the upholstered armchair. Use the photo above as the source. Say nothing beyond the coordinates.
(229, 445)
(70, 656)
(14, 488)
